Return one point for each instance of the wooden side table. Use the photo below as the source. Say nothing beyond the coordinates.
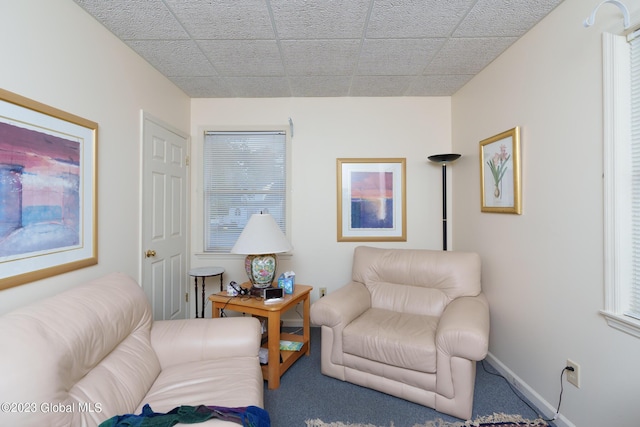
(256, 306)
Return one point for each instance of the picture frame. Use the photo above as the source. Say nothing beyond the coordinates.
(48, 185)
(500, 182)
(371, 199)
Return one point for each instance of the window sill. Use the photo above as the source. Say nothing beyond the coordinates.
(219, 256)
(622, 323)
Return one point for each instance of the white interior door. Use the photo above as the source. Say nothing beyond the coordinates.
(164, 219)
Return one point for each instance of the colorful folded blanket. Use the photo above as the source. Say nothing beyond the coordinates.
(249, 416)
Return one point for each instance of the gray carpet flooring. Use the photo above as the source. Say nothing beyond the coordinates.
(305, 393)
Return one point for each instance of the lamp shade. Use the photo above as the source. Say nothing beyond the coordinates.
(444, 158)
(260, 241)
(261, 235)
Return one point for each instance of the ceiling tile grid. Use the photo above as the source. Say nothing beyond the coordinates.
(318, 48)
(320, 57)
(223, 20)
(321, 19)
(416, 18)
(244, 57)
(397, 57)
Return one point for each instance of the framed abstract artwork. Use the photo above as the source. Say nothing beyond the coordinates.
(500, 188)
(371, 200)
(48, 191)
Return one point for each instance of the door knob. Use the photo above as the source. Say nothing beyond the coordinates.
(150, 253)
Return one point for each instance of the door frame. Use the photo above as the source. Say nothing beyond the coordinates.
(147, 116)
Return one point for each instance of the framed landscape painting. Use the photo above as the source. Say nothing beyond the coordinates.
(500, 190)
(47, 191)
(371, 200)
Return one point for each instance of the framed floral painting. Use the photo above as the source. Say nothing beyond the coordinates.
(500, 187)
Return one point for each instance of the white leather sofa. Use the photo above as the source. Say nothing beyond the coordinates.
(94, 352)
(411, 323)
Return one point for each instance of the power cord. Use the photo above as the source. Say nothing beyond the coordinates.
(222, 313)
(515, 391)
(566, 368)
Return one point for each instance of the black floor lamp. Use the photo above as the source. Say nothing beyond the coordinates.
(443, 159)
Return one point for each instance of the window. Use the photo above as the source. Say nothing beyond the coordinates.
(622, 180)
(244, 173)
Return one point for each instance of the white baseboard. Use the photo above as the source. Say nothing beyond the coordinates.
(548, 410)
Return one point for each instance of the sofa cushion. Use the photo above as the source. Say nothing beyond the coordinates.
(231, 382)
(399, 339)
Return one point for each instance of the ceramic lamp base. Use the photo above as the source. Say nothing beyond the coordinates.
(261, 269)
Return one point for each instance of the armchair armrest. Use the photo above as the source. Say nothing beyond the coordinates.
(335, 311)
(463, 330)
(192, 340)
(339, 308)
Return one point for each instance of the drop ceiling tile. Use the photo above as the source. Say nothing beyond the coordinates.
(416, 18)
(174, 57)
(319, 86)
(467, 56)
(440, 85)
(327, 19)
(244, 57)
(320, 57)
(500, 18)
(379, 85)
(396, 56)
(259, 87)
(135, 19)
(203, 87)
(224, 19)
(222, 48)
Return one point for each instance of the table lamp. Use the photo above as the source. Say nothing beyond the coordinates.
(261, 240)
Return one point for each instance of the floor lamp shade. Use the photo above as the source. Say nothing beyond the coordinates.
(261, 240)
(443, 159)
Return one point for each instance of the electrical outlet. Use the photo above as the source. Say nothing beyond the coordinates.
(323, 292)
(573, 377)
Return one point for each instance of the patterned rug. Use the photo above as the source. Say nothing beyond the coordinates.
(495, 420)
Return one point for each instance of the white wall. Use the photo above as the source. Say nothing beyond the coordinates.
(55, 53)
(543, 270)
(326, 129)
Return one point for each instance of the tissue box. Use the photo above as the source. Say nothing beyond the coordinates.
(287, 282)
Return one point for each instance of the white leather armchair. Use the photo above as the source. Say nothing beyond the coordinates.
(411, 323)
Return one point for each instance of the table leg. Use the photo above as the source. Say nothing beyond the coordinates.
(195, 280)
(273, 343)
(215, 311)
(306, 323)
(202, 311)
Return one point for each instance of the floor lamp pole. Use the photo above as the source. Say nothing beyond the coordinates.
(443, 159)
(444, 206)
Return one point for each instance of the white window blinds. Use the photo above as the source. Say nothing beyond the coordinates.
(244, 173)
(634, 291)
